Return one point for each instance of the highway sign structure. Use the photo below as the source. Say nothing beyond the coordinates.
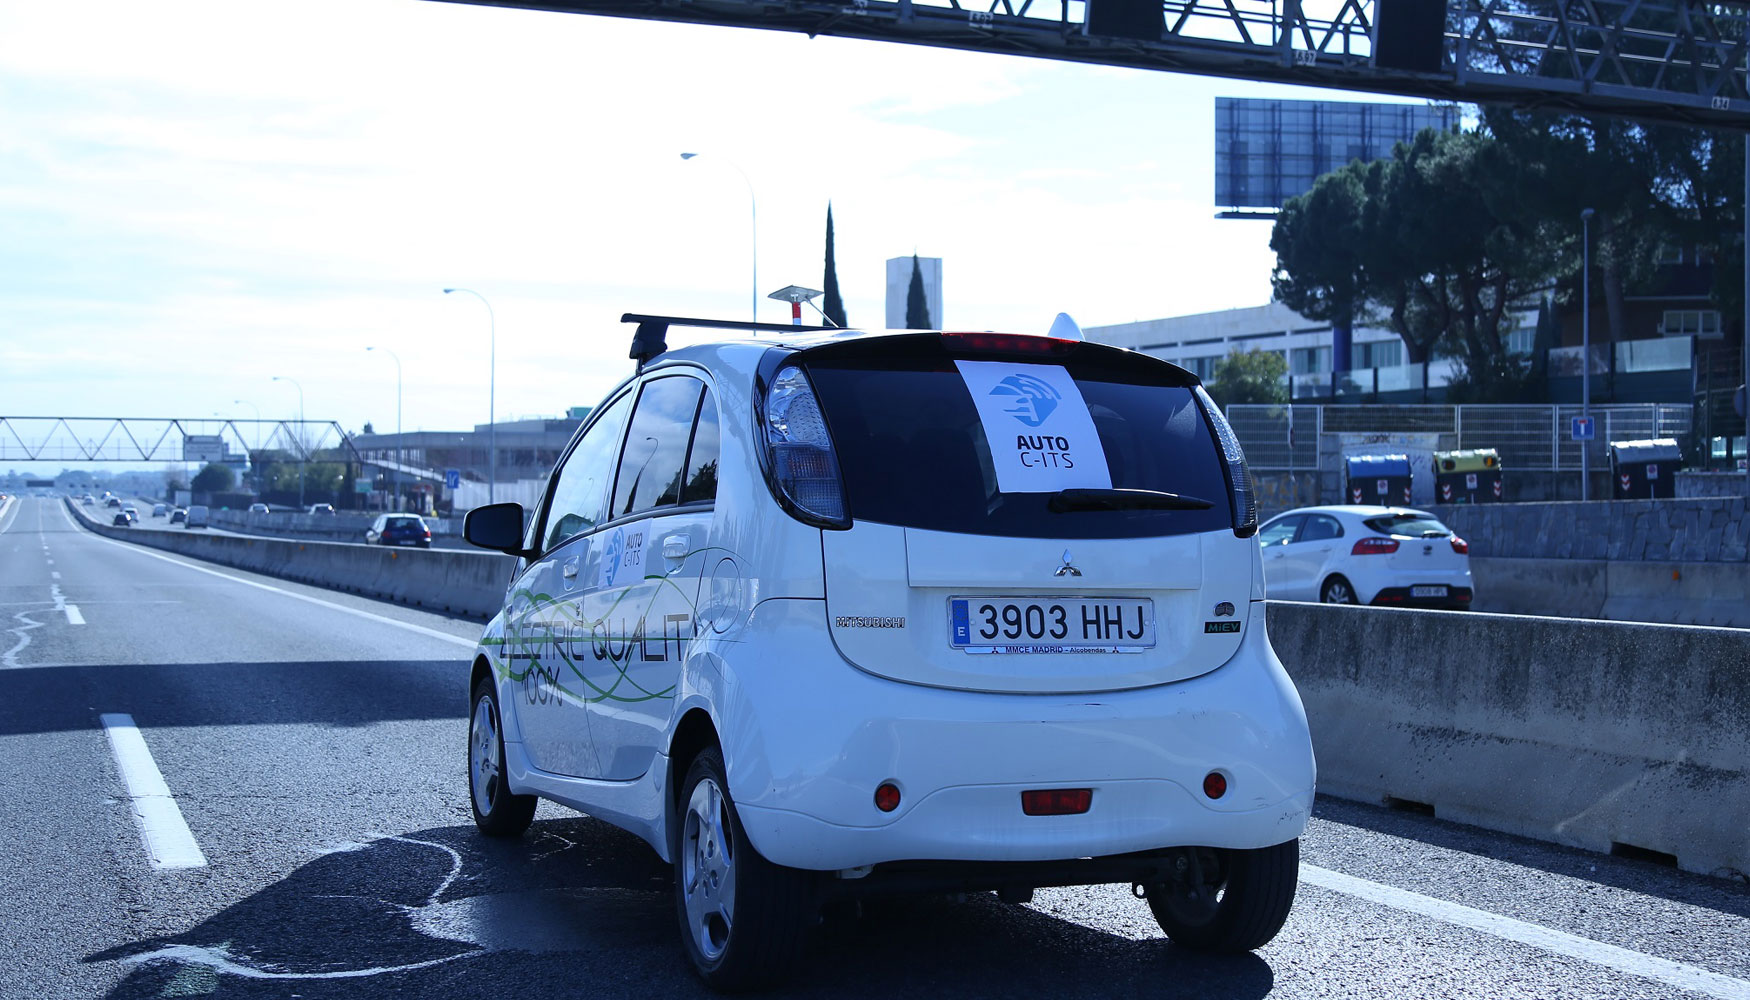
(1584, 429)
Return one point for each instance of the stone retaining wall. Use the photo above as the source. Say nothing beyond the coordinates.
(1714, 529)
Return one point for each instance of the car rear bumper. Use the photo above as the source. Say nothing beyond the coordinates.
(818, 737)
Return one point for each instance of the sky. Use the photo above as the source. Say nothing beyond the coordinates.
(199, 195)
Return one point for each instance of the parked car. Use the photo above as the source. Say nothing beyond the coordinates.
(160, 510)
(832, 614)
(259, 508)
(1351, 554)
(178, 516)
(122, 520)
(321, 508)
(399, 529)
(196, 517)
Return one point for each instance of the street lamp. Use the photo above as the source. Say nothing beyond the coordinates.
(1586, 347)
(491, 395)
(753, 208)
(396, 479)
(297, 437)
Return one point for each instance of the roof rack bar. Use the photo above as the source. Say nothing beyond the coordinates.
(651, 337)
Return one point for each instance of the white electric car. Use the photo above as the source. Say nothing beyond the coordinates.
(828, 613)
(1351, 554)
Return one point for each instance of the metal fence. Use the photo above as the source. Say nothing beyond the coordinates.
(1528, 437)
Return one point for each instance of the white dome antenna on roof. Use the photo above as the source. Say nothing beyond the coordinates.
(1064, 328)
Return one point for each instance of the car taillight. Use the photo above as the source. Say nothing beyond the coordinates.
(1241, 493)
(1374, 547)
(1460, 546)
(799, 454)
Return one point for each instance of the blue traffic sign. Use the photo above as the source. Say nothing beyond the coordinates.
(1583, 429)
(452, 478)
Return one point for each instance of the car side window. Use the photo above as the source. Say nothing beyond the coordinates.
(702, 456)
(1280, 531)
(1319, 526)
(580, 491)
(655, 456)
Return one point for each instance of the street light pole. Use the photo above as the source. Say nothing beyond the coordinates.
(397, 476)
(491, 395)
(1586, 348)
(298, 437)
(753, 207)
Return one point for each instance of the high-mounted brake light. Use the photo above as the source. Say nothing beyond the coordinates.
(1374, 547)
(1241, 492)
(799, 452)
(1015, 343)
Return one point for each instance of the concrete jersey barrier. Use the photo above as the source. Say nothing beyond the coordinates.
(1600, 735)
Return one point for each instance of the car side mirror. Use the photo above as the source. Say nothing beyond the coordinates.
(496, 526)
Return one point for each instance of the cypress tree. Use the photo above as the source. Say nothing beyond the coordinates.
(833, 307)
(917, 309)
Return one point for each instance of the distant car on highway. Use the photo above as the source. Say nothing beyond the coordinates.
(132, 512)
(122, 520)
(399, 529)
(113, 502)
(86, 500)
(160, 510)
(1354, 554)
(178, 516)
(196, 517)
(259, 508)
(321, 508)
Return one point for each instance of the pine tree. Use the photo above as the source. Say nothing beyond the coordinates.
(917, 309)
(834, 307)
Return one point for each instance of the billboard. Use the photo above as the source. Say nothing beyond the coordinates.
(1267, 151)
(203, 448)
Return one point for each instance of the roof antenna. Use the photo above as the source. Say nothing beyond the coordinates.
(1064, 328)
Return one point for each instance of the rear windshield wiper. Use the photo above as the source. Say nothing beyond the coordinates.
(1064, 501)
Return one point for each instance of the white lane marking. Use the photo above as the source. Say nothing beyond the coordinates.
(421, 629)
(9, 659)
(61, 605)
(56, 575)
(1678, 974)
(169, 842)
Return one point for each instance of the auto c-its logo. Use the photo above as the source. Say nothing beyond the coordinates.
(1034, 398)
(611, 556)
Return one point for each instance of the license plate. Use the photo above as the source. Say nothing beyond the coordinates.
(1427, 591)
(1051, 624)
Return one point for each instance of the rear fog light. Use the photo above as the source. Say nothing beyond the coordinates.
(1214, 784)
(887, 797)
(1057, 801)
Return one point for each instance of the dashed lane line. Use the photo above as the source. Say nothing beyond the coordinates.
(1634, 963)
(169, 842)
(356, 612)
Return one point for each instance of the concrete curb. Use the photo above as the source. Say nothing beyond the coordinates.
(1592, 734)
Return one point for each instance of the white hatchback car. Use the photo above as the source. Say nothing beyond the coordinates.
(1351, 554)
(835, 613)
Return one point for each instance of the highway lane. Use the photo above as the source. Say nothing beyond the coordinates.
(313, 742)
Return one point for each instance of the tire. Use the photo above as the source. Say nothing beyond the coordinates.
(1239, 903)
(1338, 590)
(743, 920)
(497, 812)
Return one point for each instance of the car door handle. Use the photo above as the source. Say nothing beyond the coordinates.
(569, 571)
(675, 547)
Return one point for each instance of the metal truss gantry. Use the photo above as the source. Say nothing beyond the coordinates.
(1679, 61)
(161, 439)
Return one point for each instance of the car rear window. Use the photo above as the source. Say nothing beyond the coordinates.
(404, 522)
(1413, 525)
(914, 452)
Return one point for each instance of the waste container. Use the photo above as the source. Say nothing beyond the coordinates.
(1378, 479)
(1641, 470)
(1472, 476)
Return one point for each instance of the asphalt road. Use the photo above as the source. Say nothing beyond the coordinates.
(313, 743)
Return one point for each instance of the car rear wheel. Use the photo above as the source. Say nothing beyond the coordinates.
(497, 812)
(1338, 591)
(743, 919)
(1227, 901)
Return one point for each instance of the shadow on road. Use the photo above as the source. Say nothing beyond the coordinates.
(579, 908)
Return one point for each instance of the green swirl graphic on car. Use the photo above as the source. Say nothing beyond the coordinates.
(553, 661)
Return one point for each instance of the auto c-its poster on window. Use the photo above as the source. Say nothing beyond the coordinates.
(1041, 436)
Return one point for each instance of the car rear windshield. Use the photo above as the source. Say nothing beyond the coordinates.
(1413, 525)
(914, 452)
(404, 522)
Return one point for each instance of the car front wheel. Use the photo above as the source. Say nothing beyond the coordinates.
(743, 919)
(1227, 901)
(497, 812)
